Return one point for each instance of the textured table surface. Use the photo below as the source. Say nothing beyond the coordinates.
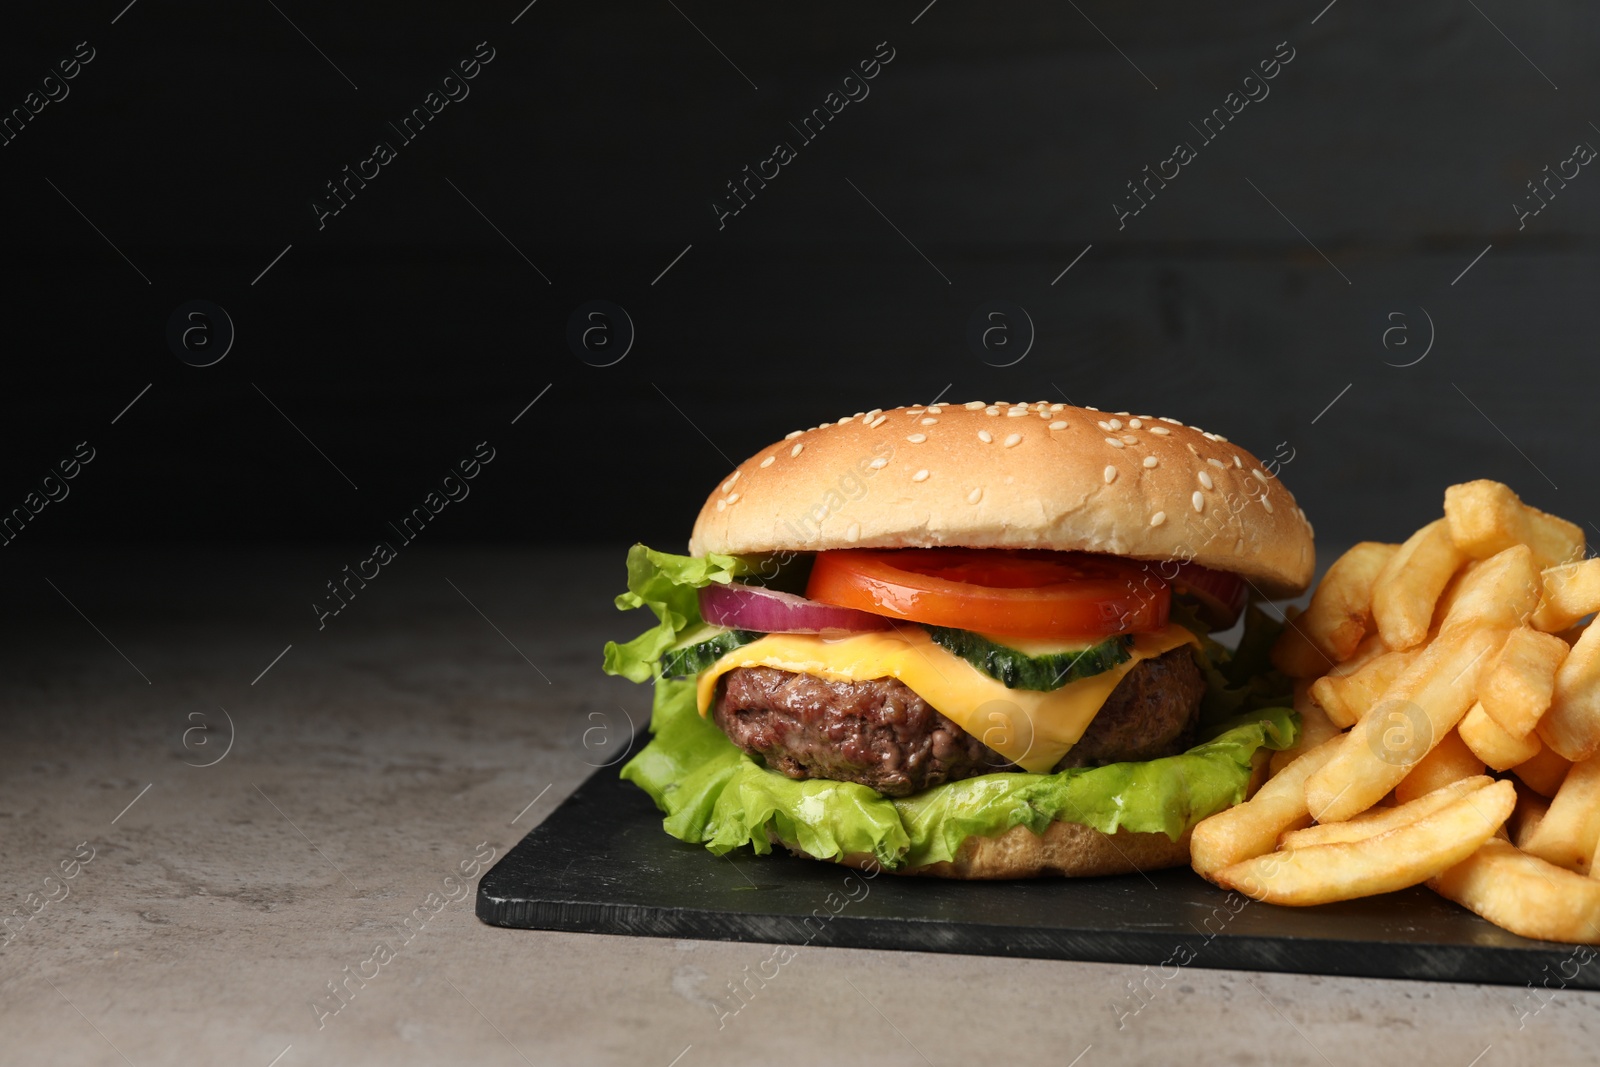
(444, 711)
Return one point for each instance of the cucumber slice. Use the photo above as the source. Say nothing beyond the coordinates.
(1036, 668)
(702, 646)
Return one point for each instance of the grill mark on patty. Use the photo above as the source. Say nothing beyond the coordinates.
(881, 734)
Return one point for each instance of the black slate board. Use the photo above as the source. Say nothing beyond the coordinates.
(602, 864)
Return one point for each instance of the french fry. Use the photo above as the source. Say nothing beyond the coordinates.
(1341, 609)
(1530, 811)
(1518, 687)
(1448, 761)
(1252, 828)
(1571, 591)
(1572, 725)
(1490, 742)
(1501, 591)
(1567, 835)
(1315, 728)
(1404, 856)
(1407, 589)
(1429, 698)
(1296, 655)
(1346, 697)
(1375, 821)
(1544, 772)
(1524, 894)
(1487, 517)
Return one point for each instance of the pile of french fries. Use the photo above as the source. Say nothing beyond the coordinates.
(1450, 706)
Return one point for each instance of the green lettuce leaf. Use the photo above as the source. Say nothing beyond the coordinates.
(713, 794)
(666, 584)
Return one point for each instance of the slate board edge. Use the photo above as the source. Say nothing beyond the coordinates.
(1485, 964)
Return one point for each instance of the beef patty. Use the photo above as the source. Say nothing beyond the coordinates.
(881, 734)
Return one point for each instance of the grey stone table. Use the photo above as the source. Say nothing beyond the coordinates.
(445, 710)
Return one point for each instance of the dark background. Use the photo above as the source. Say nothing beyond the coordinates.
(412, 327)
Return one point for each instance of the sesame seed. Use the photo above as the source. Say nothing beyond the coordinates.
(1122, 413)
(985, 436)
(1162, 430)
(878, 464)
(844, 420)
(975, 496)
(1106, 426)
(1134, 424)
(1113, 442)
(1012, 440)
(1111, 474)
(1116, 424)
(792, 434)
(1219, 437)
(973, 406)
(935, 410)
(929, 422)
(1090, 407)
(879, 421)
(733, 498)
(1058, 425)
(1261, 475)
(874, 413)
(1236, 463)
(768, 461)
(917, 438)
(1209, 436)
(1016, 412)
(1174, 422)
(1158, 518)
(1129, 439)
(1205, 480)
(729, 483)
(1217, 463)
(920, 476)
(1058, 407)
(1198, 500)
(722, 505)
(795, 451)
(991, 410)
(852, 531)
(1150, 461)
(1266, 503)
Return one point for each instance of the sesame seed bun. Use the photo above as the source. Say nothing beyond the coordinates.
(1040, 475)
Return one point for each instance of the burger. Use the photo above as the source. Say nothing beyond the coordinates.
(970, 641)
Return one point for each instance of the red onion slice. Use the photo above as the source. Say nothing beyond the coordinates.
(748, 607)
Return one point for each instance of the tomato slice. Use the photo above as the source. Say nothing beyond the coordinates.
(1006, 592)
(1221, 596)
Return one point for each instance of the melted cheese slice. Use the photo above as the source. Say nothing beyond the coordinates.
(1030, 728)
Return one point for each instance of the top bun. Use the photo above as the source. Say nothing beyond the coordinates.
(1041, 475)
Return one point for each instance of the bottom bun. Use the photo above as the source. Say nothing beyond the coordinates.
(1069, 849)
